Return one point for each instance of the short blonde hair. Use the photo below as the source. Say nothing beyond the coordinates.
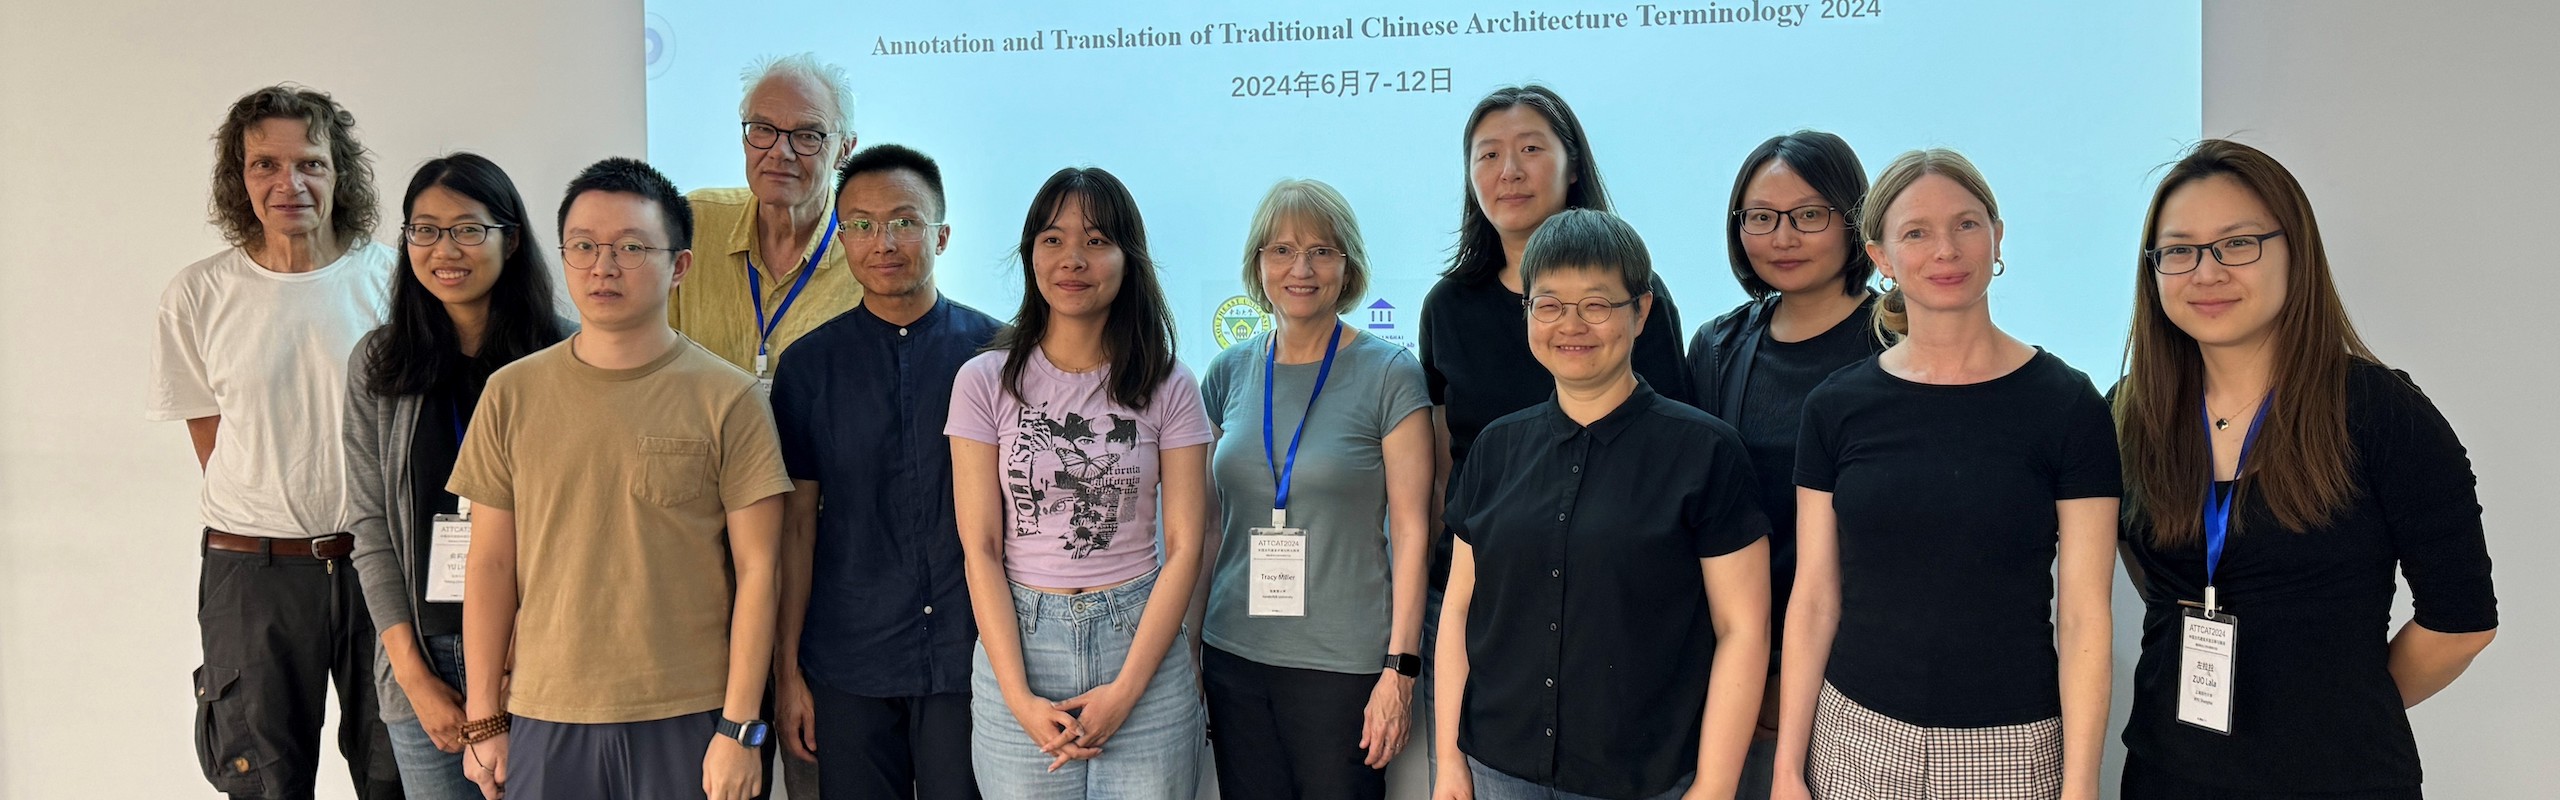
(1317, 205)
(1892, 317)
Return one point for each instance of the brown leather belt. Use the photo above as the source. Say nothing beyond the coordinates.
(322, 548)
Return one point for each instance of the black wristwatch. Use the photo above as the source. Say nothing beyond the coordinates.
(750, 733)
(1405, 664)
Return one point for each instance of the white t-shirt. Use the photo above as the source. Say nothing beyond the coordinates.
(267, 352)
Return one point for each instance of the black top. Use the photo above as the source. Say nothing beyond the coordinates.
(2314, 708)
(433, 445)
(1773, 378)
(1476, 362)
(1947, 529)
(1589, 637)
(860, 405)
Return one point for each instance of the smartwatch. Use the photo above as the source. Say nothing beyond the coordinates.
(750, 733)
(1405, 664)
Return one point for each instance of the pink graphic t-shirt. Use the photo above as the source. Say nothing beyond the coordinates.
(1078, 471)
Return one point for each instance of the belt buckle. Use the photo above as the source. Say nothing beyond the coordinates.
(315, 546)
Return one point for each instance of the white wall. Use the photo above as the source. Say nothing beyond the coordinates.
(2424, 135)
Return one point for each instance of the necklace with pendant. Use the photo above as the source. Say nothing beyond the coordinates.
(2222, 422)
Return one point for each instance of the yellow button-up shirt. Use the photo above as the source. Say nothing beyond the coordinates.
(715, 305)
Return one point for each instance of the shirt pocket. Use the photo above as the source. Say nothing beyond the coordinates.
(673, 471)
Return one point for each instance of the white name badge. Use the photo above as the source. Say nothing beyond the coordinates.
(448, 551)
(2207, 650)
(1279, 566)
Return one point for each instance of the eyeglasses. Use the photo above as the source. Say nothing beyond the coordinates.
(1596, 310)
(581, 253)
(2237, 251)
(468, 233)
(901, 230)
(805, 141)
(1281, 255)
(1806, 219)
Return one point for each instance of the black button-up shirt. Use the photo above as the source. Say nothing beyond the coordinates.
(860, 405)
(1588, 639)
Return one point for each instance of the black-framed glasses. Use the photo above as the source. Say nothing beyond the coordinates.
(902, 230)
(420, 234)
(805, 141)
(1593, 310)
(1806, 219)
(582, 254)
(2236, 251)
(1281, 255)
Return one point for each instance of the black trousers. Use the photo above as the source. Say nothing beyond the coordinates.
(1286, 733)
(2146, 780)
(894, 747)
(278, 632)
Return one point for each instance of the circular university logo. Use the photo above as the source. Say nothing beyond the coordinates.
(1238, 319)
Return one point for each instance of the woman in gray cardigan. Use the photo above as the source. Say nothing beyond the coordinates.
(470, 296)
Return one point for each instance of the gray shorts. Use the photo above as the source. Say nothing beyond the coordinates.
(617, 761)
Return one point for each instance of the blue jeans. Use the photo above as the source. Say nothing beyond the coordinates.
(1071, 644)
(426, 772)
(1493, 784)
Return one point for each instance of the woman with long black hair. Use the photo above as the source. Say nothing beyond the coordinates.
(470, 296)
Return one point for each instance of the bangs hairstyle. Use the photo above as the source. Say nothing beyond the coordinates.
(2304, 462)
(1138, 338)
(1479, 255)
(1317, 209)
(634, 177)
(1582, 238)
(418, 344)
(1893, 313)
(1825, 161)
(351, 200)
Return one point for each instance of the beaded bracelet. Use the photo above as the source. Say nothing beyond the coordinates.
(481, 730)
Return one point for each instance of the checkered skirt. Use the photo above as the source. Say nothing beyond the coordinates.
(1858, 754)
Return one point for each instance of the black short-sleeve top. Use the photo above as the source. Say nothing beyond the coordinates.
(1945, 498)
(2314, 707)
(1588, 639)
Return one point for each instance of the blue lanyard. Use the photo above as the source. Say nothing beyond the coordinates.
(755, 286)
(1280, 471)
(2217, 501)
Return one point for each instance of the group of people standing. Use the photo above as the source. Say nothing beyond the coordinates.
(770, 490)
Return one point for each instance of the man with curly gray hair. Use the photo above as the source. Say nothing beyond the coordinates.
(251, 351)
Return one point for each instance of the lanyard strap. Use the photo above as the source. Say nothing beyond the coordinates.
(755, 285)
(1280, 471)
(2218, 502)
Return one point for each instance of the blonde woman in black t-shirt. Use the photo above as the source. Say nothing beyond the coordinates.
(1948, 634)
(2277, 475)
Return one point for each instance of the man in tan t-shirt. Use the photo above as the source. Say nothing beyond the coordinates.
(626, 488)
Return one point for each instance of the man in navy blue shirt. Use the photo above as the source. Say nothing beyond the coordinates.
(876, 630)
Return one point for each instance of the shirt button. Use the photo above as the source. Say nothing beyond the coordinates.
(1559, 517)
(1551, 626)
(1555, 573)
(1577, 468)
(928, 609)
(1551, 683)
(902, 331)
(1551, 731)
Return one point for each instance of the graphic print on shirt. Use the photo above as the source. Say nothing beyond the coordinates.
(1071, 465)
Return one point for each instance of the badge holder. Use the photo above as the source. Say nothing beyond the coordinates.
(448, 552)
(2208, 655)
(1279, 568)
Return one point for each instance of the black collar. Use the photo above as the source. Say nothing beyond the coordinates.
(1607, 428)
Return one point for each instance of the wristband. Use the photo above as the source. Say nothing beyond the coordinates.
(481, 730)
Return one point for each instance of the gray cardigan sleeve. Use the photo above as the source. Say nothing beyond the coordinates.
(386, 584)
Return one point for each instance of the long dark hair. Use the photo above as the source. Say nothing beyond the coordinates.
(1825, 161)
(418, 344)
(2305, 459)
(1139, 334)
(1479, 254)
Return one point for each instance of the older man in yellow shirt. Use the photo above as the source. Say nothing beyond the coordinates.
(765, 268)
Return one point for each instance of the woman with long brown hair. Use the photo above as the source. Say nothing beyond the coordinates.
(2276, 472)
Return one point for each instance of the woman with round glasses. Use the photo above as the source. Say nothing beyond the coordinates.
(1067, 435)
(1608, 608)
(1312, 637)
(2277, 475)
(1795, 250)
(1948, 636)
(471, 296)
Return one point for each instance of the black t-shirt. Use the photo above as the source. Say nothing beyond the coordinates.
(1947, 530)
(2314, 708)
(1476, 363)
(433, 445)
(1589, 637)
(1771, 414)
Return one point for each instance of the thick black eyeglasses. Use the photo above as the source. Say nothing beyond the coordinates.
(1806, 219)
(805, 141)
(2236, 251)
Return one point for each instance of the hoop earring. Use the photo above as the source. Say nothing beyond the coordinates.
(1999, 266)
